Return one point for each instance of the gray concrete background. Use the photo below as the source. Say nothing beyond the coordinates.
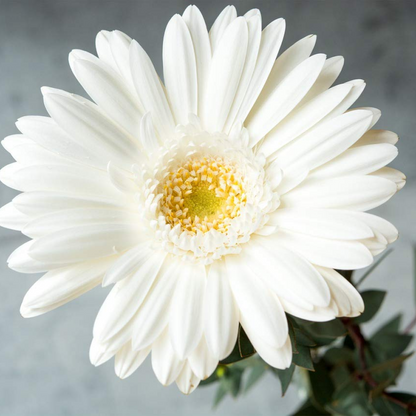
(44, 365)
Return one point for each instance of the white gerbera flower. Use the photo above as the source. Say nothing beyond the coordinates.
(227, 195)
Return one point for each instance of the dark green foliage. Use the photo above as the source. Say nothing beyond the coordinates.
(344, 372)
(242, 349)
(285, 377)
(372, 300)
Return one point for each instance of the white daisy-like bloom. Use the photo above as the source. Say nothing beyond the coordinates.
(225, 195)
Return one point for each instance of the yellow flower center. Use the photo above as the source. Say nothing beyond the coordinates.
(203, 194)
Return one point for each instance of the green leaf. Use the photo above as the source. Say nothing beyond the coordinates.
(379, 389)
(351, 400)
(231, 381)
(285, 377)
(321, 384)
(374, 357)
(242, 348)
(211, 379)
(389, 364)
(302, 338)
(390, 326)
(256, 373)
(338, 356)
(372, 301)
(303, 358)
(308, 409)
(341, 376)
(292, 337)
(407, 398)
(346, 273)
(220, 394)
(384, 406)
(390, 344)
(371, 269)
(298, 335)
(245, 347)
(324, 333)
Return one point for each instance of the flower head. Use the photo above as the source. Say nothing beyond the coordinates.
(226, 195)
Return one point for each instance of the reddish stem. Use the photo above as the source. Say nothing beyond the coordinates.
(360, 342)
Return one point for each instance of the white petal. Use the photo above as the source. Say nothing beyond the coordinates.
(22, 262)
(376, 245)
(286, 273)
(393, 175)
(128, 361)
(73, 179)
(120, 45)
(289, 60)
(118, 341)
(60, 286)
(100, 353)
(378, 225)
(330, 71)
(185, 323)
(202, 362)
(332, 224)
(221, 313)
(64, 219)
(123, 180)
(274, 174)
(276, 103)
(291, 182)
(357, 193)
(153, 316)
(102, 44)
(187, 381)
(257, 304)
(342, 255)
(126, 297)
(225, 73)
(357, 161)
(202, 47)
(85, 243)
(220, 25)
(12, 218)
(107, 89)
(271, 40)
(31, 153)
(89, 127)
(45, 132)
(323, 143)
(43, 202)
(303, 118)
(375, 111)
(179, 69)
(276, 357)
(376, 137)
(113, 49)
(128, 263)
(15, 140)
(342, 291)
(254, 38)
(251, 13)
(358, 86)
(165, 362)
(148, 137)
(7, 175)
(150, 90)
(318, 314)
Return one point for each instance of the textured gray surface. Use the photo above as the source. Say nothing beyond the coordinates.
(44, 366)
